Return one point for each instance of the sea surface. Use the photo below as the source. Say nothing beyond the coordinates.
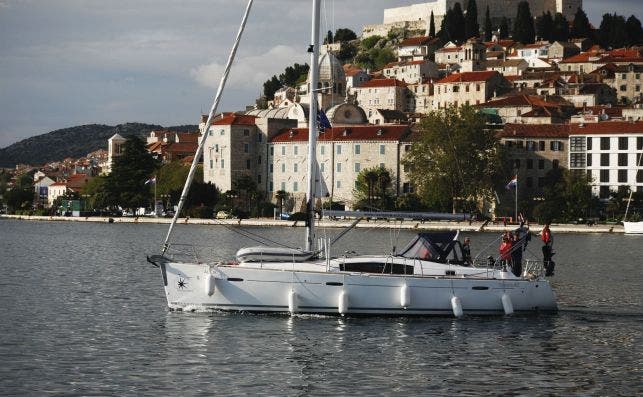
(82, 313)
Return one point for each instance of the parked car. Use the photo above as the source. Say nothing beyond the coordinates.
(224, 215)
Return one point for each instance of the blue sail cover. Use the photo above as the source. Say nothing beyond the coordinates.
(436, 247)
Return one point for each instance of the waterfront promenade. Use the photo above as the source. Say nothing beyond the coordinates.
(340, 223)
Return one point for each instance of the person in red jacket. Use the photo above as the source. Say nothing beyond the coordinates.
(548, 245)
(505, 251)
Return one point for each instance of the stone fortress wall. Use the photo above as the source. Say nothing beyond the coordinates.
(420, 14)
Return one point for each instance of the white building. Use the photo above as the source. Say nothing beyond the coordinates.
(114, 149)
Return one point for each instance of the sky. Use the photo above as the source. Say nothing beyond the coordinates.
(71, 62)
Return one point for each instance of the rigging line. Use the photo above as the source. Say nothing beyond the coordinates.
(252, 236)
(206, 127)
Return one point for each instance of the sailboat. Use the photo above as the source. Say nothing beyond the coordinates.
(428, 277)
(633, 227)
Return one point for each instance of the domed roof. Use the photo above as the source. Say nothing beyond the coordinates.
(330, 69)
(346, 113)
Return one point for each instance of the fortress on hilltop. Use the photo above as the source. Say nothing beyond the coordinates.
(417, 16)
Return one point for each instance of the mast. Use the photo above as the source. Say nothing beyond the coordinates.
(312, 127)
(215, 104)
(629, 200)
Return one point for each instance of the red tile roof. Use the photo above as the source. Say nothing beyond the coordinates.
(353, 133)
(231, 118)
(534, 131)
(449, 49)
(468, 77)
(383, 83)
(607, 127)
(420, 40)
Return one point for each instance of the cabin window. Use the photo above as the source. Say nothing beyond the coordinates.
(376, 267)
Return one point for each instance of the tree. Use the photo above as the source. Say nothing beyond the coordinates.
(126, 185)
(561, 28)
(567, 196)
(545, 26)
(246, 187)
(290, 77)
(270, 87)
(488, 28)
(452, 23)
(612, 32)
(581, 28)
(503, 28)
(372, 189)
(456, 160)
(343, 35)
(21, 195)
(432, 26)
(471, 27)
(346, 52)
(524, 31)
(634, 31)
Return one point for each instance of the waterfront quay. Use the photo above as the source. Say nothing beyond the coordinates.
(464, 226)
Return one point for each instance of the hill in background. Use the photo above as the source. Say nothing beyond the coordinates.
(74, 142)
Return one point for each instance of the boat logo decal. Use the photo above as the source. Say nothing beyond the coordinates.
(182, 283)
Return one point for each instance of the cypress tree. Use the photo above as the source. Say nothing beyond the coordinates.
(471, 26)
(634, 30)
(503, 28)
(561, 28)
(445, 29)
(524, 31)
(432, 26)
(457, 23)
(612, 31)
(545, 26)
(580, 26)
(488, 28)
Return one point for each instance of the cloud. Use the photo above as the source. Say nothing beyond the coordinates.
(249, 72)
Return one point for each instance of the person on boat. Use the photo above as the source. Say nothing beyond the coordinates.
(548, 241)
(516, 254)
(466, 252)
(505, 251)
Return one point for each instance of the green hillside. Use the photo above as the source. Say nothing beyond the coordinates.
(73, 142)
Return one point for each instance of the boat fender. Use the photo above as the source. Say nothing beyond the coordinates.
(342, 303)
(456, 305)
(507, 305)
(405, 296)
(292, 301)
(209, 284)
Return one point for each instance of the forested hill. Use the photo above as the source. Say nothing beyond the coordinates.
(73, 142)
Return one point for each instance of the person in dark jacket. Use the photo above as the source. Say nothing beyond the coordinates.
(516, 254)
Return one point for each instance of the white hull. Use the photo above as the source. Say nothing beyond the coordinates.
(316, 289)
(633, 227)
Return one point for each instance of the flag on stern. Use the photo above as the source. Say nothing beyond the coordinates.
(512, 183)
(322, 121)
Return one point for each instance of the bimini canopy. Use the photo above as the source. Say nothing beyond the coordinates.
(436, 247)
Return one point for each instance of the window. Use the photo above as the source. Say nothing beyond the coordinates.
(639, 143)
(222, 132)
(604, 192)
(295, 150)
(295, 186)
(589, 159)
(271, 168)
(259, 178)
(623, 87)
(477, 87)
(605, 160)
(222, 164)
(577, 144)
(622, 159)
(283, 150)
(271, 187)
(605, 176)
(248, 164)
(357, 167)
(283, 168)
(530, 164)
(259, 138)
(339, 149)
(622, 176)
(622, 143)
(322, 149)
(541, 145)
(339, 167)
(211, 163)
(407, 148)
(556, 146)
(577, 160)
(295, 167)
(541, 165)
(531, 146)
(216, 148)
(382, 149)
(338, 184)
(589, 143)
(283, 185)
(246, 148)
(357, 149)
(272, 150)
(605, 143)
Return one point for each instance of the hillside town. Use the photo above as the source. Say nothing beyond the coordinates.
(567, 103)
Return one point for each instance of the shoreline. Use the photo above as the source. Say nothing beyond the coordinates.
(325, 223)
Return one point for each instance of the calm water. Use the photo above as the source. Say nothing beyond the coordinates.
(82, 313)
